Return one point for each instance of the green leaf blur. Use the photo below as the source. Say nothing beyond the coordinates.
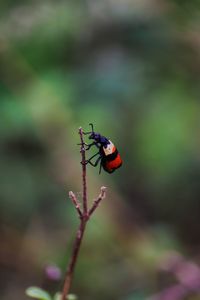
(37, 293)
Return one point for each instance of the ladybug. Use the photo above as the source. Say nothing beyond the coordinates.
(108, 155)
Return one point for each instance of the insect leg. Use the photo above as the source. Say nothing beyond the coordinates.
(92, 144)
(89, 145)
(89, 160)
(80, 144)
(89, 132)
(96, 162)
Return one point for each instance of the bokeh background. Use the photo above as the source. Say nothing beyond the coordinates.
(133, 69)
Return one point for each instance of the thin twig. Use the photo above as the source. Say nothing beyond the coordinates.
(76, 203)
(72, 263)
(83, 162)
(83, 221)
(84, 217)
(98, 200)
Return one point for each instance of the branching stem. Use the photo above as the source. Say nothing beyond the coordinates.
(98, 200)
(84, 217)
(72, 196)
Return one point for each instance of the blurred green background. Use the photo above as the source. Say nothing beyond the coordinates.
(133, 69)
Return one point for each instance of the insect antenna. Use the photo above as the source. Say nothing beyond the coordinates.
(92, 126)
(90, 131)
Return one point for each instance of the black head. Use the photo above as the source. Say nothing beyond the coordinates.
(93, 135)
(97, 137)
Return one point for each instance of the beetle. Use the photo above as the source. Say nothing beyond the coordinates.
(108, 155)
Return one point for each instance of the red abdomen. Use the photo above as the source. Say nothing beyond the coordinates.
(111, 165)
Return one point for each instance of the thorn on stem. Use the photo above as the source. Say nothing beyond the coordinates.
(103, 192)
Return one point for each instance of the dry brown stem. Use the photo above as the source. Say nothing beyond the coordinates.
(84, 217)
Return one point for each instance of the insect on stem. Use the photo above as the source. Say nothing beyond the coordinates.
(84, 217)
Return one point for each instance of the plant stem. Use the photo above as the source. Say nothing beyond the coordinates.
(76, 203)
(81, 229)
(72, 263)
(84, 216)
(97, 201)
(85, 212)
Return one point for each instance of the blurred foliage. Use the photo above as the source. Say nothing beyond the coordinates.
(37, 293)
(132, 68)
